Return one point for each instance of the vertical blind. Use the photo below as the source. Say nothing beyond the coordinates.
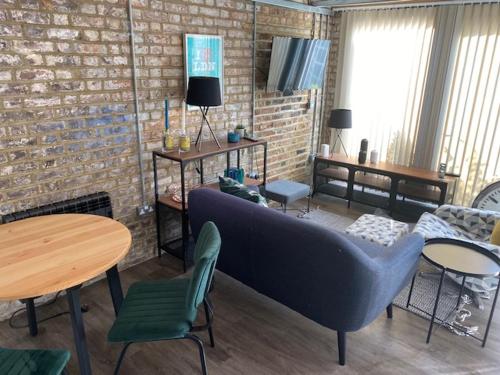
(423, 87)
(471, 139)
(382, 78)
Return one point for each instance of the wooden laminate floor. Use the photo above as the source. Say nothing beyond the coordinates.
(255, 335)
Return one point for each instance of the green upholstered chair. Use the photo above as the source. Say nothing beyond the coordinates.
(166, 309)
(31, 362)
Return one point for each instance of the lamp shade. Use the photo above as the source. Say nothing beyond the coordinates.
(341, 119)
(203, 92)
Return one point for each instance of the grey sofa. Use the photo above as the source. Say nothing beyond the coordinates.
(340, 282)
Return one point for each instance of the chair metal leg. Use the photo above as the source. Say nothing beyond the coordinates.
(120, 358)
(208, 317)
(341, 344)
(389, 311)
(199, 343)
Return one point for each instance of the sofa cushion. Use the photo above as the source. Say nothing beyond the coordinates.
(233, 187)
(495, 235)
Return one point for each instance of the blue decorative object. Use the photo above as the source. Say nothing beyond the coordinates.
(166, 114)
(233, 137)
(237, 174)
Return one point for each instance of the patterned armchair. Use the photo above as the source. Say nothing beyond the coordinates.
(466, 224)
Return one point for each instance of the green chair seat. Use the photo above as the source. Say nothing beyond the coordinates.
(30, 362)
(152, 310)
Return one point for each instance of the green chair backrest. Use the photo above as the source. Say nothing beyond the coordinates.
(205, 256)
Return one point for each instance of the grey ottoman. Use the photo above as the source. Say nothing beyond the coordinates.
(284, 192)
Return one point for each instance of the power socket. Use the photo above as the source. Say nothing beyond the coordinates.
(144, 210)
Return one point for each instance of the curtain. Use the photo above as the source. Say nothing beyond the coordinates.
(384, 57)
(470, 144)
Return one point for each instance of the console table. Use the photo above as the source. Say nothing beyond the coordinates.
(386, 178)
(184, 158)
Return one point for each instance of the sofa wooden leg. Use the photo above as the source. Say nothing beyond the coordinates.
(341, 343)
(389, 311)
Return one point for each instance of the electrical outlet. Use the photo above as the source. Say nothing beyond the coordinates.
(144, 210)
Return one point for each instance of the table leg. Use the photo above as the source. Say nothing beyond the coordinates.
(461, 292)
(491, 315)
(115, 288)
(31, 314)
(411, 289)
(435, 306)
(315, 166)
(442, 195)
(73, 295)
(350, 186)
(393, 194)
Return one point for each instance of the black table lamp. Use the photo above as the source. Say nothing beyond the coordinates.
(204, 92)
(340, 119)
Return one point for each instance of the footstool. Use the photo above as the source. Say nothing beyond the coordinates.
(378, 229)
(284, 192)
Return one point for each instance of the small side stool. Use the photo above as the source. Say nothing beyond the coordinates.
(284, 192)
(378, 229)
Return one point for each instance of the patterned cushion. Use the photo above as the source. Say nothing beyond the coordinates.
(478, 224)
(378, 229)
(233, 187)
(495, 236)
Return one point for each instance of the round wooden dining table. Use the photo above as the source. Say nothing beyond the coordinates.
(48, 254)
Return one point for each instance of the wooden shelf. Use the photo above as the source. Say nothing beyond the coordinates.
(208, 148)
(417, 192)
(169, 202)
(373, 181)
(334, 173)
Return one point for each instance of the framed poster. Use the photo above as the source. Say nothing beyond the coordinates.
(204, 56)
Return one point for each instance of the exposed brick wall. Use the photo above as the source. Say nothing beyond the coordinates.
(66, 101)
(289, 123)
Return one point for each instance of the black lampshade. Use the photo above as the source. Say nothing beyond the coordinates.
(203, 92)
(340, 119)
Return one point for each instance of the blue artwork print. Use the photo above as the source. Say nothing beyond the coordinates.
(204, 57)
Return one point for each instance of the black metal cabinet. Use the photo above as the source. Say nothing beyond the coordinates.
(184, 159)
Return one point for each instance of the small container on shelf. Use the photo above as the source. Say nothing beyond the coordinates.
(168, 140)
(233, 137)
(184, 142)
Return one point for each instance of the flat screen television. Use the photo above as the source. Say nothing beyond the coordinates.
(297, 64)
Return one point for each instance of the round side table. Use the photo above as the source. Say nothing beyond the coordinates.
(462, 258)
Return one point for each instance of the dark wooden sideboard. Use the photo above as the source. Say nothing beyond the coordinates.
(389, 178)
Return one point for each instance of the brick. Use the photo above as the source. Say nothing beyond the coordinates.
(42, 102)
(9, 60)
(30, 46)
(65, 34)
(30, 17)
(35, 74)
(10, 30)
